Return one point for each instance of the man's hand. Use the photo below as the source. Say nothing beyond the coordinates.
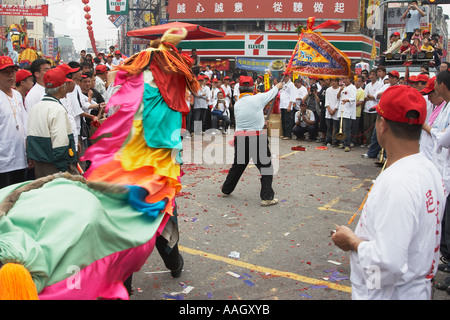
(345, 239)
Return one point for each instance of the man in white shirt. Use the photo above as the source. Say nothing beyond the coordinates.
(117, 60)
(38, 68)
(300, 94)
(369, 116)
(374, 147)
(227, 89)
(395, 246)
(331, 113)
(251, 142)
(208, 72)
(201, 99)
(347, 109)
(305, 122)
(412, 16)
(220, 111)
(13, 127)
(287, 99)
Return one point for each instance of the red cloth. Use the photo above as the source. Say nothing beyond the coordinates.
(172, 88)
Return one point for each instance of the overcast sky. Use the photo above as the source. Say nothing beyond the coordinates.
(68, 19)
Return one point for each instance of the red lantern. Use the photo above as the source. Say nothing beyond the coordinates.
(87, 8)
(89, 22)
(87, 16)
(89, 28)
(85, 1)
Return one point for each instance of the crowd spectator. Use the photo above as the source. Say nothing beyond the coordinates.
(331, 113)
(412, 15)
(38, 69)
(50, 141)
(13, 127)
(347, 109)
(305, 122)
(24, 82)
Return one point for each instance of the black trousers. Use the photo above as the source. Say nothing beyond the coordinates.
(445, 233)
(12, 177)
(287, 122)
(257, 149)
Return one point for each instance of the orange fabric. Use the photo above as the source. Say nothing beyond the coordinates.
(16, 283)
(159, 187)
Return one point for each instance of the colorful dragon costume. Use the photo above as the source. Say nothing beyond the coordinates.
(82, 237)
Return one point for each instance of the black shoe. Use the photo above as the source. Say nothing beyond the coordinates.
(444, 267)
(177, 273)
(443, 285)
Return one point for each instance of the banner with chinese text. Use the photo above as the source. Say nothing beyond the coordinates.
(222, 65)
(256, 9)
(27, 11)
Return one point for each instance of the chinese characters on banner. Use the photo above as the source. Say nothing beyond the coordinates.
(267, 9)
(222, 65)
(291, 26)
(28, 11)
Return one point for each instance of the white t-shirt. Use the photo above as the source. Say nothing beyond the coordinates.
(287, 94)
(400, 226)
(371, 89)
(228, 92)
(34, 96)
(349, 108)
(13, 132)
(332, 100)
(299, 94)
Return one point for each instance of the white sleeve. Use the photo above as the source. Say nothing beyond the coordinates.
(394, 226)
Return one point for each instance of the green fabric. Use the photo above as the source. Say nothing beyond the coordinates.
(161, 124)
(65, 224)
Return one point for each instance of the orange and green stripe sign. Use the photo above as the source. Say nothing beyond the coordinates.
(267, 45)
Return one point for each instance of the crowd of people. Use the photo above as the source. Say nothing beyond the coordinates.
(49, 114)
(56, 137)
(414, 41)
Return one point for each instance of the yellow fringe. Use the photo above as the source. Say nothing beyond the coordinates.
(16, 283)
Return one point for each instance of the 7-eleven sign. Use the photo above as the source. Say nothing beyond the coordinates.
(117, 7)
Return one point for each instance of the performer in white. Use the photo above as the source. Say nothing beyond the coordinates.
(395, 247)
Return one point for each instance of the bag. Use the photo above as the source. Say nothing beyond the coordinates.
(216, 113)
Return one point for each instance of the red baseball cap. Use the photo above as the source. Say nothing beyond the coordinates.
(67, 69)
(394, 74)
(429, 88)
(412, 79)
(6, 62)
(101, 68)
(55, 78)
(422, 78)
(22, 74)
(396, 33)
(398, 100)
(245, 79)
(117, 52)
(425, 31)
(226, 78)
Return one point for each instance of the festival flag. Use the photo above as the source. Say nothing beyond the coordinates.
(373, 54)
(315, 56)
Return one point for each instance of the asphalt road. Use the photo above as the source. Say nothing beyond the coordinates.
(234, 249)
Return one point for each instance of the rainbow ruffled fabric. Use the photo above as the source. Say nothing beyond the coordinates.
(83, 239)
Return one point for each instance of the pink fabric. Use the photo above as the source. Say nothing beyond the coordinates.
(435, 113)
(104, 278)
(129, 98)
